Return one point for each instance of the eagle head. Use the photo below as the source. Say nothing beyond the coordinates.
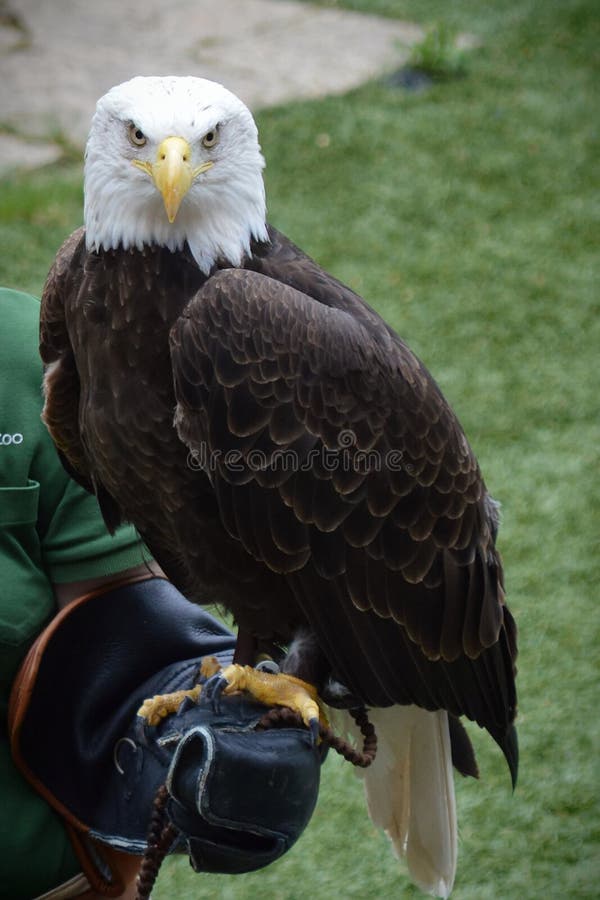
(171, 160)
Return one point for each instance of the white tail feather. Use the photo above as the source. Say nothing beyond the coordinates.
(410, 793)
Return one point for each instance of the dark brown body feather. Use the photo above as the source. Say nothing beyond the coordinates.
(350, 500)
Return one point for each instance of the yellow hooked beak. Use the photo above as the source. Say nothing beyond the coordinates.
(172, 172)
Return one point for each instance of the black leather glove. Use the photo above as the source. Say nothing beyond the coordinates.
(239, 796)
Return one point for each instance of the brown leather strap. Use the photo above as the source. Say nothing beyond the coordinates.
(79, 886)
(74, 887)
(25, 678)
(122, 866)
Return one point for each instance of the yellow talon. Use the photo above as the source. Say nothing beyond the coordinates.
(265, 687)
(209, 666)
(276, 690)
(162, 705)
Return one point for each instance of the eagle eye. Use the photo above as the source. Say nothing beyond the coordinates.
(210, 138)
(136, 135)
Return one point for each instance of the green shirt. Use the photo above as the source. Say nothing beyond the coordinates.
(51, 531)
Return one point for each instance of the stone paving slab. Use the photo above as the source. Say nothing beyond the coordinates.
(58, 56)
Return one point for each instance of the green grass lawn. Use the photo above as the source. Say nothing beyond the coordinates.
(468, 214)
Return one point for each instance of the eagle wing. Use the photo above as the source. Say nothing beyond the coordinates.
(337, 462)
(61, 379)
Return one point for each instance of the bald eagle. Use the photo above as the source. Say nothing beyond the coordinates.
(279, 448)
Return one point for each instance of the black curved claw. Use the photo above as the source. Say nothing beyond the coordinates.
(314, 730)
(212, 690)
(186, 703)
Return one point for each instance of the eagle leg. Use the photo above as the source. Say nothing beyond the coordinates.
(160, 706)
(246, 647)
(269, 689)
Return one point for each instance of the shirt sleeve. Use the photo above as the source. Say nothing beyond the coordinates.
(77, 545)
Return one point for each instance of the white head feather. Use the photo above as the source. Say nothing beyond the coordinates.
(224, 208)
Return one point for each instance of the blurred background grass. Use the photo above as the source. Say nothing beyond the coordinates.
(468, 215)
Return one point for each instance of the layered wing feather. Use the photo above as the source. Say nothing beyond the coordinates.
(61, 380)
(337, 462)
(61, 412)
